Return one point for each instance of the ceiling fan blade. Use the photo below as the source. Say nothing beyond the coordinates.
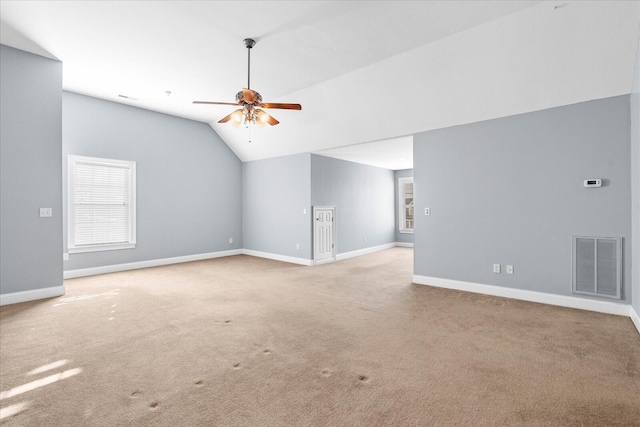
(215, 103)
(281, 106)
(272, 121)
(226, 118)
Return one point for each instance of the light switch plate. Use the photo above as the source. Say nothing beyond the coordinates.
(45, 212)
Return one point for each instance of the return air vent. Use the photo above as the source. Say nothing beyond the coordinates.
(597, 266)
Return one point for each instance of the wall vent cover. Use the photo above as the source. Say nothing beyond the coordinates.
(597, 266)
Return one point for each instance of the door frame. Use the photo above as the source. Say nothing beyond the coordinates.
(335, 235)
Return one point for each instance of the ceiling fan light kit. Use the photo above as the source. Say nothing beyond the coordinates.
(250, 100)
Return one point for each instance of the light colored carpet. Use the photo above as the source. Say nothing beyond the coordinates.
(243, 341)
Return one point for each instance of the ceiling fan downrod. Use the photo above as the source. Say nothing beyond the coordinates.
(249, 43)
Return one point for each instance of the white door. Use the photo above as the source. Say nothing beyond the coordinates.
(323, 234)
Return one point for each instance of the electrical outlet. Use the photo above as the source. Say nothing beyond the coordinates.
(365, 239)
(45, 212)
(304, 211)
(65, 257)
(427, 211)
(298, 246)
(230, 239)
(496, 268)
(509, 269)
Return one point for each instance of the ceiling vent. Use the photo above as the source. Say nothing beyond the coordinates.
(597, 266)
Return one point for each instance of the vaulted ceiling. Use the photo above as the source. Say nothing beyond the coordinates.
(363, 71)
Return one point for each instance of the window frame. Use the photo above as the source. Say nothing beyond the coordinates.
(72, 160)
(402, 219)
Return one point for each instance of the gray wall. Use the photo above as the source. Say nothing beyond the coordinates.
(363, 196)
(635, 183)
(31, 171)
(188, 180)
(401, 237)
(510, 191)
(275, 192)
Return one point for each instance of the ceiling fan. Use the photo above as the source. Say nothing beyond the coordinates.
(250, 100)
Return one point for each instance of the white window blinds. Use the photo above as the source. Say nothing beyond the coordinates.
(102, 204)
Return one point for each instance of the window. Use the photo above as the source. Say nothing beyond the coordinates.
(405, 200)
(102, 213)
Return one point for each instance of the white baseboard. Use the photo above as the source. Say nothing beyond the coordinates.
(277, 257)
(324, 261)
(35, 294)
(532, 296)
(404, 244)
(364, 251)
(70, 274)
(634, 318)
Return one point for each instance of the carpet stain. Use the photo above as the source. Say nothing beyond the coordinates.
(227, 321)
(326, 373)
(135, 394)
(363, 378)
(236, 366)
(267, 351)
(199, 382)
(154, 404)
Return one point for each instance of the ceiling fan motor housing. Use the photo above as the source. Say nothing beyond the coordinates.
(241, 99)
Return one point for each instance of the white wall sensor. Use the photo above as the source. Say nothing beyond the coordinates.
(593, 182)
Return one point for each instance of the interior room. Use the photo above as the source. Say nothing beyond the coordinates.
(320, 213)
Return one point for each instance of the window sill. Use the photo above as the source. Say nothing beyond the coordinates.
(99, 248)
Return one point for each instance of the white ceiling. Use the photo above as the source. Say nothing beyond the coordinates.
(363, 70)
(395, 153)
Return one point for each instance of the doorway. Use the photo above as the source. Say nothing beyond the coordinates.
(324, 234)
